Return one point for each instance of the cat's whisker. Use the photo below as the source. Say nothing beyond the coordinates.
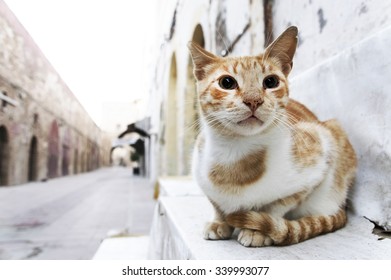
(294, 139)
(213, 122)
(194, 126)
(276, 124)
(292, 128)
(307, 132)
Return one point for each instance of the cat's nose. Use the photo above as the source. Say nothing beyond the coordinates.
(253, 104)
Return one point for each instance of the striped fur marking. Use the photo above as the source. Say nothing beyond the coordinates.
(286, 232)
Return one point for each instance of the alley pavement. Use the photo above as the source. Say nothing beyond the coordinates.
(68, 217)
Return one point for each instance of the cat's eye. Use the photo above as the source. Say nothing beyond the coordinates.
(227, 82)
(271, 82)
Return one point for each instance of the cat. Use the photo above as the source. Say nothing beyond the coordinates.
(268, 166)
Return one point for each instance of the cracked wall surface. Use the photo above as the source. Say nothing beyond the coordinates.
(340, 71)
(327, 28)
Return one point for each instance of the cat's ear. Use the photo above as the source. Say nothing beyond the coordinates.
(283, 49)
(202, 59)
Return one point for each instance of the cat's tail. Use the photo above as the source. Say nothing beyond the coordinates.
(286, 232)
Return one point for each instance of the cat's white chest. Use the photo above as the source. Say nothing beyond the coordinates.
(280, 177)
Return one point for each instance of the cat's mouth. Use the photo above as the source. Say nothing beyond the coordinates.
(252, 120)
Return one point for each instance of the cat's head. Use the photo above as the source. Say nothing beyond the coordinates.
(244, 95)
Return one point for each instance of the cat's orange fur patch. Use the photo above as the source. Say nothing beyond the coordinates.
(217, 94)
(261, 63)
(282, 92)
(306, 147)
(295, 199)
(346, 161)
(240, 173)
(235, 67)
(230, 105)
(202, 74)
(210, 106)
(298, 112)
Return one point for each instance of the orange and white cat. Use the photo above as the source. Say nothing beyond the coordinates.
(266, 163)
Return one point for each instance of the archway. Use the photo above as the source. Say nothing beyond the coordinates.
(65, 161)
(89, 155)
(75, 161)
(33, 160)
(53, 150)
(83, 165)
(191, 105)
(4, 156)
(170, 138)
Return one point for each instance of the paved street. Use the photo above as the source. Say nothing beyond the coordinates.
(67, 218)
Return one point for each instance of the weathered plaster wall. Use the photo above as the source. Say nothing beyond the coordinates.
(341, 70)
(353, 87)
(328, 27)
(45, 108)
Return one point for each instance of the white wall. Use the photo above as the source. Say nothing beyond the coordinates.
(327, 27)
(341, 70)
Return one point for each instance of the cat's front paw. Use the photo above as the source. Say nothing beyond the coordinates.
(217, 231)
(253, 238)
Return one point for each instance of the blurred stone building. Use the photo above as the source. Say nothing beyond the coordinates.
(341, 70)
(44, 130)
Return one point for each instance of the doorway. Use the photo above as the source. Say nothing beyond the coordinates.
(4, 156)
(33, 160)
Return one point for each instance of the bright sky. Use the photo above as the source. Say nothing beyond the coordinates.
(97, 47)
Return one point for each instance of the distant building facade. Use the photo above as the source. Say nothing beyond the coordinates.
(132, 148)
(44, 130)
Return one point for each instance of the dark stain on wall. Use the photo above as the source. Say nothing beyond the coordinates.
(363, 9)
(300, 40)
(268, 19)
(173, 24)
(221, 31)
(322, 20)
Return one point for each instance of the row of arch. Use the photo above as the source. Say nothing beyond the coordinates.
(177, 150)
(57, 153)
